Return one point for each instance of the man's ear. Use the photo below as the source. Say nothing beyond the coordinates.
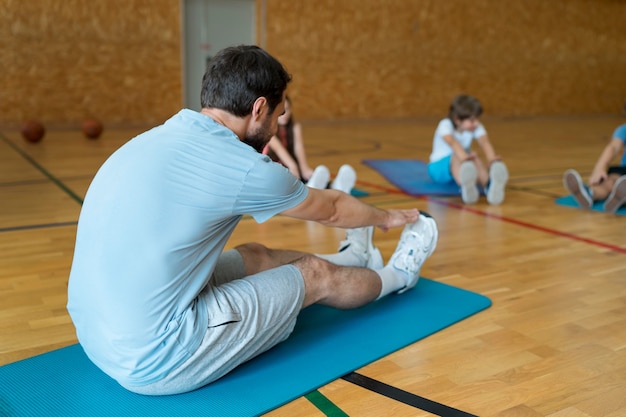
(259, 107)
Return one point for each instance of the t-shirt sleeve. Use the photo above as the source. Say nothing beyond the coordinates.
(269, 189)
(445, 127)
(620, 133)
(480, 131)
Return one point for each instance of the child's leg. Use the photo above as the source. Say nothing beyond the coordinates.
(498, 177)
(483, 174)
(601, 191)
(466, 175)
(573, 183)
(617, 198)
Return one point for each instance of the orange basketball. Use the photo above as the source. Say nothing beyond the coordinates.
(33, 131)
(92, 128)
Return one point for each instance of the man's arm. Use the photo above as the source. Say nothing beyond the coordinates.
(338, 209)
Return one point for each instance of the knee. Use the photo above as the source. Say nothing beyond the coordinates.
(318, 276)
(256, 257)
(315, 266)
(254, 249)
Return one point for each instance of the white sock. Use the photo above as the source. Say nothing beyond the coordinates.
(345, 258)
(392, 280)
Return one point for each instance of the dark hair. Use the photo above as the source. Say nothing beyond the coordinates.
(236, 76)
(463, 107)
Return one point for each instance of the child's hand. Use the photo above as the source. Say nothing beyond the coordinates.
(471, 156)
(597, 177)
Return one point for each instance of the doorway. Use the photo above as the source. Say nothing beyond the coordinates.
(208, 26)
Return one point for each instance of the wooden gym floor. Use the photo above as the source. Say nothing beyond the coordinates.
(553, 343)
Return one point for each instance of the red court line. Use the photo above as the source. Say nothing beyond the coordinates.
(501, 218)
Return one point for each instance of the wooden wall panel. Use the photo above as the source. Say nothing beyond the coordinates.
(120, 60)
(408, 58)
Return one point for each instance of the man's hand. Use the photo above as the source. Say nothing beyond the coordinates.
(398, 218)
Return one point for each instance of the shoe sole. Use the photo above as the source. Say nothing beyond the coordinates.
(498, 176)
(617, 197)
(375, 261)
(573, 183)
(345, 179)
(432, 224)
(468, 176)
(320, 177)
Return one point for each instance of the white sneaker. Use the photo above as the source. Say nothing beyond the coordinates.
(468, 175)
(345, 179)
(617, 197)
(574, 184)
(320, 177)
(417, 242)
(498, 176)
(359, 242)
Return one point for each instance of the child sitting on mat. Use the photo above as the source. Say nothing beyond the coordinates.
(452, 159)
(606, 182)
(287, 148)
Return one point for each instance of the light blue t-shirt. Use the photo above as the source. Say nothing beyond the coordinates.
(441, 149)
(153, 224)
(620, 133)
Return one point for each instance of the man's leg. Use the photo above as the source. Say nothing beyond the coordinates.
(325, 282)
(250, 315)
(247, 316)
(349, 287)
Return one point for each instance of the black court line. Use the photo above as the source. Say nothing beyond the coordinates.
(405, 397)
(40, 181)
(43, 170)
(37, 226)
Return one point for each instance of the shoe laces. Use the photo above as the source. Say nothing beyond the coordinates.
(410, 257)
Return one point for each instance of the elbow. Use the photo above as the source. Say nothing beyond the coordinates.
(332, 215)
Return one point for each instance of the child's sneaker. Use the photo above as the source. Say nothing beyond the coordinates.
(359, 242)
(345, 179)
(574, 184)
(468, 176)
(617, 196)
(320, 177)
(498, 176)
(417, 243)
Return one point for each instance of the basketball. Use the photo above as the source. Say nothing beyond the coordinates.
(33, 131)
(92, 128)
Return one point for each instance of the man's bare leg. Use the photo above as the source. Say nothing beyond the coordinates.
(350, 287)
(325, 283)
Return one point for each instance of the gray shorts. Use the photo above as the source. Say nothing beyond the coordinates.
(247, 316)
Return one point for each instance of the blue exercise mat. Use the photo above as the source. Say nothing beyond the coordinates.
(325, 345)
(355, 192)
(570, 201)
(411, 176)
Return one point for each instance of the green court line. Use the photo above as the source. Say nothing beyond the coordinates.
(43, 170)
(324, 404)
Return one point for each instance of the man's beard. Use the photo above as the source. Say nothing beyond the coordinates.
(259, 138)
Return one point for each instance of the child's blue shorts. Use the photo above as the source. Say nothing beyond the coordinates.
(439, 171)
